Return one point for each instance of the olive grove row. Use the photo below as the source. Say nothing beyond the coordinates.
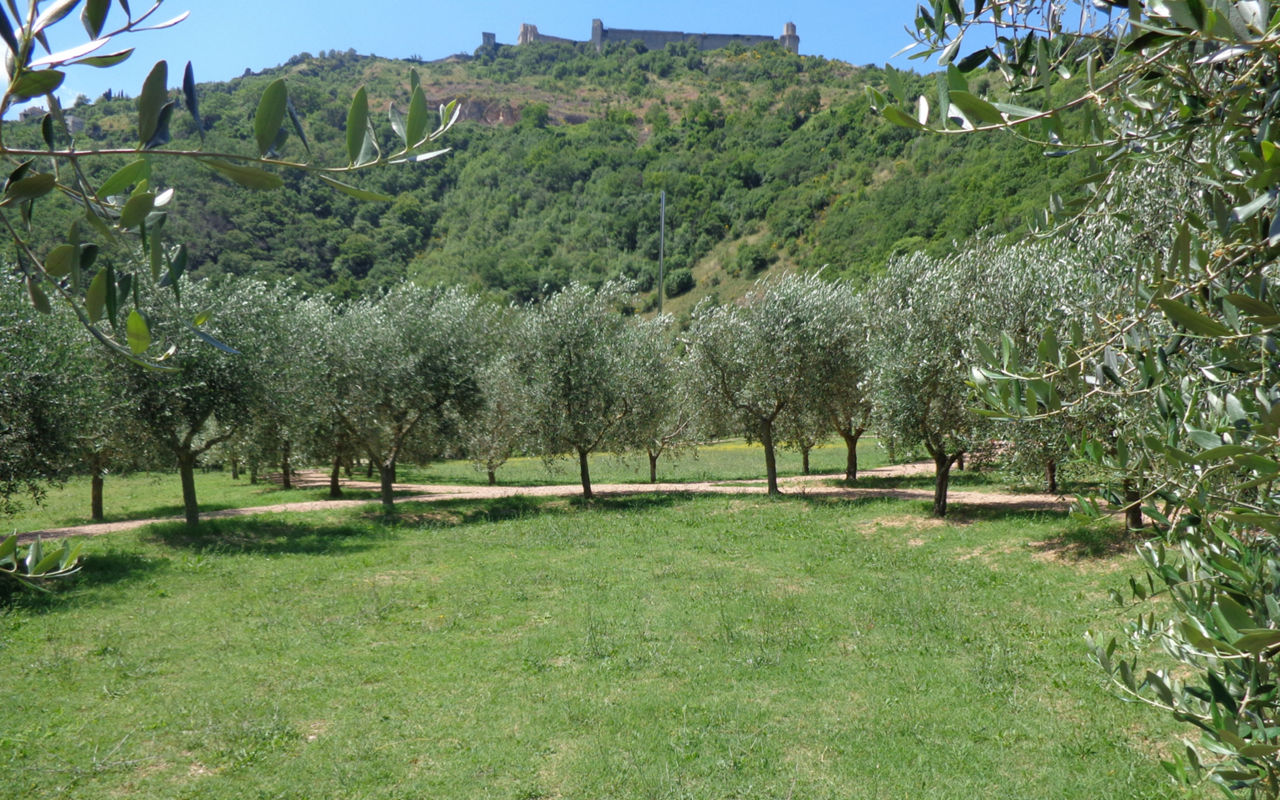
(275, 378)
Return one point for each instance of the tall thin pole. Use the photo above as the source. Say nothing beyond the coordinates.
(662, 245)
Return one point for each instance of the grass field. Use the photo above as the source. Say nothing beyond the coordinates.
(653, 646)
(149, 495)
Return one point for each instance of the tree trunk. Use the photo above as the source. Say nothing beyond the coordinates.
(941, 480)
(187, 469)
(368, 469)
(770, 461)
(851, 459)
(586, 474)
(95, 496)
(395, 468)
(959, 461)
(804, 459)
(286, 480)
(235, 469)
(493, 477)
(253, 472)
(653, 467)
(1132, 506)
(346, 467)
(1051, 475)
(387, 472)
(335, 478)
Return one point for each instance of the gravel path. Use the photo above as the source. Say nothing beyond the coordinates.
(809, 485)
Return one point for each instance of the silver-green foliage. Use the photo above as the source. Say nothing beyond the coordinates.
(580, 361)
(209, 391)
(926, 322)
(750, 362)
(404, 367)
(36, 387)
(840, 390)
(664, 419)
(934, 316)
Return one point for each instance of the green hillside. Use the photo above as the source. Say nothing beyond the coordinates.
(767, 159)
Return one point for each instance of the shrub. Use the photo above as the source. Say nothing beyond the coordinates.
(678, 282)
(753, 259)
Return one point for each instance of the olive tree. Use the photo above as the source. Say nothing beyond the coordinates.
(287, 348)
(406, 365)
(208, 392)
(664, 419)
(751, 362)
(322, 432)
(802, 429)
(40, 374)
(839, 391)
(104, 436)
(493, 434)
(1187, 83)
(925, 326)
(576, 353)
(59, 410)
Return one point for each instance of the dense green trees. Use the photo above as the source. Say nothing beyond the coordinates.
(571, 194)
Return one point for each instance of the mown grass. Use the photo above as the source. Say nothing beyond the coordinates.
(651, 646)
(152, 495)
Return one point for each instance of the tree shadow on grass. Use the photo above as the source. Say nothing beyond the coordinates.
(957, 513)
(1004, 511)
(266, 536)
(273, 497)
(453, 513)
(98, 570)
(1089, 539)
(960, 479)
(155, 512)
(851, 502)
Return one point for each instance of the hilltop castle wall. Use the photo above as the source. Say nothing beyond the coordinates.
(529, 33)
(655, 40)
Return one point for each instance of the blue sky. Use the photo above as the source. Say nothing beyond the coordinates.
(223, 37)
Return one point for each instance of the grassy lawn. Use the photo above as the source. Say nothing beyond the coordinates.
(654, 647)
(153, 494)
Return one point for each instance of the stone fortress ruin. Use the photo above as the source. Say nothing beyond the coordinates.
(654, 40)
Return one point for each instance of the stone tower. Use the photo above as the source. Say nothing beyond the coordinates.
(597, 34)
(788, 39)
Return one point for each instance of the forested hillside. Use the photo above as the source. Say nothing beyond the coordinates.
(766, 158)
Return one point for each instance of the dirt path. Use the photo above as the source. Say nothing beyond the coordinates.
(809, 485)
